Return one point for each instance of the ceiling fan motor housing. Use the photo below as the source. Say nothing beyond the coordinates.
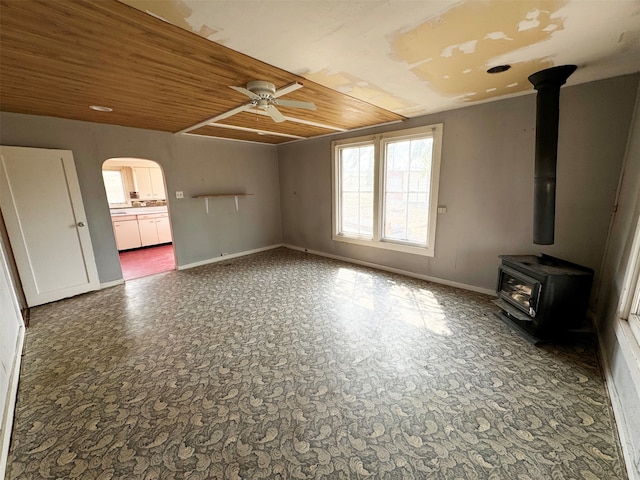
(261, 88)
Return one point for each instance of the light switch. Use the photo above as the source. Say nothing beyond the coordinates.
(179, 194)
(442, 209)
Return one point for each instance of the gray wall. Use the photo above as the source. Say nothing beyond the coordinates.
(620, 353)
(486, 183)
(191, 164)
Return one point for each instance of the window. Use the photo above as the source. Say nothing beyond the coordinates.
(630, 296)
(386, 189)
(114, 186)
(357, 175)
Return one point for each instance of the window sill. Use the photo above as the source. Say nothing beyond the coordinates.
(397, 247)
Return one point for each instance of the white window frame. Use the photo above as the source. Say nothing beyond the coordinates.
(379, 141)
(629, 305)
(123, 180)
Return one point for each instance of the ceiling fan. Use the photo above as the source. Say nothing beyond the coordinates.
(264, 96)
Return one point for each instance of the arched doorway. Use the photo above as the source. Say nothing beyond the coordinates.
(137, 198)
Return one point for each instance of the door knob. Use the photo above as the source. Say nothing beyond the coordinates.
(81, 224)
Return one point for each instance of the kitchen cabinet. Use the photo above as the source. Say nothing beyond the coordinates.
(164, 229)
(136, 228)
(127, 233)
(154, 229)
(149, 183)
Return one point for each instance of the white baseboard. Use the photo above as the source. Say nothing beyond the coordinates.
(227, 257)
(10, 404)
(622, 332)
(377, 266)
(111, 284)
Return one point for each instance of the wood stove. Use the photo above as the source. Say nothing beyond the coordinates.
(542, 296)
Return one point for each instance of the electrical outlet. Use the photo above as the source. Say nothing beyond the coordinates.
(179, 194)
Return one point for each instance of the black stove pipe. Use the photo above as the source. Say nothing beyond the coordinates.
(547, 83)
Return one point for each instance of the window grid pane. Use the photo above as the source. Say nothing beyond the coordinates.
(406, 193)
(114, 186)
(357, 182)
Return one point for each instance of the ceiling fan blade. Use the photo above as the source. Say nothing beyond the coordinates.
(292, 87)
(246, 92)
(274, 113)
(296, 104)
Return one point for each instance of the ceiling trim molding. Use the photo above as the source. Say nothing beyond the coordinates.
(211, 137)
(257, 130)
(210, 122)
(304, 122)
(393, 122)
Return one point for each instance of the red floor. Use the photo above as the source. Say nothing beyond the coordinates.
(147, 261)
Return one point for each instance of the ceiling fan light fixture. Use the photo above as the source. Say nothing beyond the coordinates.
(264, 98)
(499, 69)
(99, 108)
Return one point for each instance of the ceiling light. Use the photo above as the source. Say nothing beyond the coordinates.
(499, 69)
(98, 108)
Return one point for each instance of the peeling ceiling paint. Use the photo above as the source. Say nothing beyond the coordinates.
(451, 53)
(350, 85)
(413, 56)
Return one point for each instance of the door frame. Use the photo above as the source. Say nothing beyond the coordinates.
(142, 163)
(19, 243)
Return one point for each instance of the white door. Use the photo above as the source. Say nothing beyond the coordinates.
(43, 211)
(11, 335)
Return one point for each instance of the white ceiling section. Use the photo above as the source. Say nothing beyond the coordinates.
(414, 56)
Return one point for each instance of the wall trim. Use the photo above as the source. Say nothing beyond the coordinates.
(407, 273)
(113, 283)
(10, 404)
(227, 257)
(623, 335)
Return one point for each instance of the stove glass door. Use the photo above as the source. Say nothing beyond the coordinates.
(519, 289)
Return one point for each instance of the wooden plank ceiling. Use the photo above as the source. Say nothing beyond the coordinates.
(58, 57)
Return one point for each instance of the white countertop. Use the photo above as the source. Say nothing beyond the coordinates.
(116, 212)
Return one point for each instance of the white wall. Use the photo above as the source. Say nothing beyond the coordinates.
(191, 164)
(11, 336)
(486, 183)
(620, 351)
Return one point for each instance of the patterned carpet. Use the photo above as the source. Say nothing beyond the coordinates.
(283, 365)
